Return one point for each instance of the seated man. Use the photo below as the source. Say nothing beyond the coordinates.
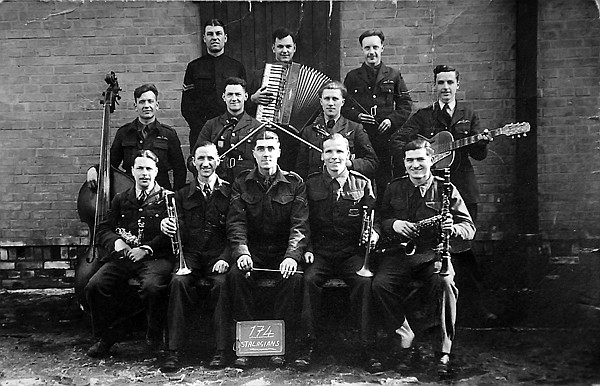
(336, 197)
(267, 226)
(407, 201)
(202, 210)
(131, 235)
(362, 157)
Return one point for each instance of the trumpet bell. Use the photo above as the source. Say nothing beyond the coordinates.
(365, 272)
(183, 271)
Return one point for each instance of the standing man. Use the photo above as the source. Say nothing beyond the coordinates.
(205, 79)
(336, 197)
(284, 47)
(202, 210)
(408, 200)
(131, 235)
(446, 114)
(379, 99)
(267, 227)
(362, 156)
(230, 128)
(145, 132)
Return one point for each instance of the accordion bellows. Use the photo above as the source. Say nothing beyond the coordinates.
(296, 89)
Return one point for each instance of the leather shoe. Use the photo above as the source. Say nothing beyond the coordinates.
(443, 366)
(218, 360)
(374, 365)
(241, 362)
(171, 363)
(407, 359)
(305, 350)
(100, 349)
(277, 360)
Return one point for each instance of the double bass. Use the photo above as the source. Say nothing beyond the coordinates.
(93, 204)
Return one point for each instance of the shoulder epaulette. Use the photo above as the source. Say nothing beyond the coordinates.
(289, 173)
(358, 174)
(399, 178)
(314, 174)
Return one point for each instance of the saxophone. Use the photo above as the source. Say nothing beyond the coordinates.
(443, 253)
(391, 244)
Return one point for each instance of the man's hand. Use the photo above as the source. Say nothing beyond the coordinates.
(383, 126)
(220, 266)
(309, 258)
(92, 178)
(374, 239)
(448, 223)
(168, 226)
(262, 96)
(245, 263)
(405, 229)
(288, 267)
(367, 119)
(120, 245)
(485, 137)
(136, 254)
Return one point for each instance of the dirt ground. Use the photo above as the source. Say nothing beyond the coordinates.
(43, 340)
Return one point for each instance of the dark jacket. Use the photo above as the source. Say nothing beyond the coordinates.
(268, 223)
(389, 94)
(309, 160)
(125, 212)
(336, 223)
(162, 140)
(429, 121)
(403, 201)
(241, 157)
(203, 86)
(202, 224)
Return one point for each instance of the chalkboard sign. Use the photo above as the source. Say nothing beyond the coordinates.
(260, 338)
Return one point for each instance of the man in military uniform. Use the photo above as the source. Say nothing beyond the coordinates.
(228, 129)
(205, 78)
(377, 98)
(267, 227)
(131, 235)
(362, 156)
(202, 211)
(145, 132)
(408, 200)
(336, 197)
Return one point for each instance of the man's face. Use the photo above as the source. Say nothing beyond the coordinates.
(206, 160)
(372, 48)
(215, 39)
(418, 164)
(146, 106)
(144, 172)
(335, 154)
(284, 49)
(332, 102)
(446, 85)
(266, 153)
(234, 97)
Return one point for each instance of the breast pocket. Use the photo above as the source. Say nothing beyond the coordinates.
(387, 89)
(161, 148)
(350, 203)
(282, 207)
(130, 148)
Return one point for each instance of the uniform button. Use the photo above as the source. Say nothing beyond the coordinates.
(431, 133)
(141, 210)
(466, 132)
(355, 91)
(374, 96)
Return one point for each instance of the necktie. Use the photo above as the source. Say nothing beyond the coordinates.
(145, 131)
(330, 124)
(447, 110)
(142, 197)
(206, 190)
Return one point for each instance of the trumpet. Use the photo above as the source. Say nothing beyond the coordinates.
(365, 239)
(176, 240)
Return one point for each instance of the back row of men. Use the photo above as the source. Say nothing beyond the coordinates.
(276, 218)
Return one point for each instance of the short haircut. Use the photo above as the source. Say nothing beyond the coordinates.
(266, 134)
(234, 80)
(337, 136)
(203, 144)
(214, 23)
(333, 85)
(145, 88)
(371, 32)
(145, 153)
(418, 143)
(444, 68)
(281, 33)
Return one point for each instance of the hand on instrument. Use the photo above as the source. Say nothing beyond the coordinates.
(405, 229)
(245, 263)
(485, 137)
(288, 267)
(367, 119)
(374, 239)
(136, 254)
(220, 266)
(448, 223)
(309, 258)
(262, 96)
(168, 226)
(120, 245)
(92, 178)
(384, 125)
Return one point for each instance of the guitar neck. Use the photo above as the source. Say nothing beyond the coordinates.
(450, 146)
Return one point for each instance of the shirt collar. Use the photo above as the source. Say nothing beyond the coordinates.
(452, 106)
(148, 192)
(212, 182)
(424, 187)
(341, 179)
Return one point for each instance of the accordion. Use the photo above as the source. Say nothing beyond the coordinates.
(295, 87)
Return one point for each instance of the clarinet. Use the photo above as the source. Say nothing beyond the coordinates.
(444, 251)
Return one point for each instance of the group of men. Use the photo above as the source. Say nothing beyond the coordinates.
(245, 210)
